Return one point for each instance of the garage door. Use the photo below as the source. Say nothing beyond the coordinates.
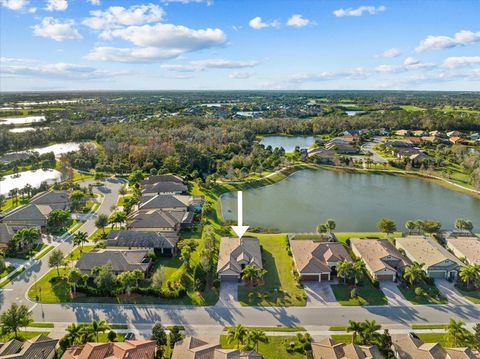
(324, 276)
(384, 277)
(310, 277)
(229, 278)
(437, 274)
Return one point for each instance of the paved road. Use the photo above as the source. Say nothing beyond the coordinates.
(368, 148)
(15, 291)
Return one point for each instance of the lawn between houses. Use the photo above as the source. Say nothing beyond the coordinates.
(275, 348)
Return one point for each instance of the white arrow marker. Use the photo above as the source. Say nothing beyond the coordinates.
(240, 229)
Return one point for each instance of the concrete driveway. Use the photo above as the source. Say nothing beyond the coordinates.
(228, 296)
(393, 294)
(450, 292)
(319, 294)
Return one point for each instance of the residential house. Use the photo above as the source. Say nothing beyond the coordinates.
(30, 215)
(54, 199)
(436, 133)
(195, 348)
(414, 140)
(409, 346)
(467, 248)
(14, 156)
(437, 261)
(341, 146)
(322, 154)
(39, 347)
(155, 220)
(420, 157)
(398, 143)
(317, 260)
(161, 243)
(454, 134)
(6, 234)
(164, 188)
(419, 133)
(383, 261)
(402, 133)
(161, 178)
(456, 140)
(329, 349)
(165, 202)
(475, 136)
(121, 260)
(235, 254)
(129, 349)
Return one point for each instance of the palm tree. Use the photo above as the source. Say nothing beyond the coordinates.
(331, 225)
(358, 272)
(98, 327)
(355, 328)
(101, 222)
(410, 225)
(74, 332)
(237, 334)
(79, 239)
(252, 273)
(368, 332)
(414, 273)
(345, 270)
(74, 278)
(255, 337)
(457, 333)
(470, 274)
(86, 335)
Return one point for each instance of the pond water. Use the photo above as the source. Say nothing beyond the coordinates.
(353, 112)
(34, 178)
(288, 142)
(21, 120)
(26, 129)
(355, 201)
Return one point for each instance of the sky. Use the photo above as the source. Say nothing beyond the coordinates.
(50, 45)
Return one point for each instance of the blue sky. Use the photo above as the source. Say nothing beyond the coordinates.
(239, 44)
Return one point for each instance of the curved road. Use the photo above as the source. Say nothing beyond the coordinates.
(219, 315)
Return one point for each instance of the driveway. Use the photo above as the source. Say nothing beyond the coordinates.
(319, 294)
(393, 294)
(450, 292)
(368, 148)
(228, 296)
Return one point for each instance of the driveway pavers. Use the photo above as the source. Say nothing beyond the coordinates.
(393, 294)
(450, 292)
(319, 294)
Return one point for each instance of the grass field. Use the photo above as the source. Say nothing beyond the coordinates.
(274, 349)
(367, 295)
(274, 329)
(471, 295)
(22, 334)
(77, 251)
(431, 295)
(279, 266)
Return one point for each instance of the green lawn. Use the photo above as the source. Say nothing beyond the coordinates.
(274, 349)
(274, 329)
(411, 108)
(7, 271)
(41, 325)
(471, 295)
(76, 253)
(441, 338)
(342, 338)
(367, 294)
(431, 296)
(338, 328)
(22, 334)
(9, 203)
(429, 326)
(279, 266)
(44, 252)
(343, 236)
(50, 288)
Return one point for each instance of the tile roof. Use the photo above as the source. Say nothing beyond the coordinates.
(121, 260)
(38, 347)
(374, 252)
(152, 219)
(425, 250)
(161, 178)
(130, 349)
(468, 247)
(195, 348)
(164, 187)
(28, 212)
(143, 239)
(6, 233)
(56, 199)
(313, 256)
(330, 349)
(233, 249)
(161, 201)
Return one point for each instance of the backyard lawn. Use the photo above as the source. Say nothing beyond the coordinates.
(279, 266)
(274, 349)
(22, 334)
(367, 294)
(75, 254)
(431, 295)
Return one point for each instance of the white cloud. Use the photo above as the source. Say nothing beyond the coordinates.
(56, 29)
(56, 5)
(410, 61)
(297, 20)
(389, 69)
(208, 2)
(257, 23)
(118, 16)
(458, 61)
(157, 42)
(201, 65)
(372, 10)
(14, 4)
(390, 53)
(240, 75)
(461, 38)
(62, 70)
(94, 2)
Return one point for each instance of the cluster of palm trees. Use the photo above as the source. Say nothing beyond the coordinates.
(27, 191)
(328, 226)
(368, 333)
(83, 333)
(423, 226)
(24, 240)
(414, 273)
(470, 275)
(351, 272)
(458, 335)
(245, 338)
(463, 224)
(253, 274)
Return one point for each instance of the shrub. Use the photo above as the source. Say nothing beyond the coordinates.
(376, 283)
(353, 293)
(419, 291)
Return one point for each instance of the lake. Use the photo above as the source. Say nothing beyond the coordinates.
(58, 148)
(34, 178)
(26, 129)
(355, 201)
(288, 142)
(21, 120)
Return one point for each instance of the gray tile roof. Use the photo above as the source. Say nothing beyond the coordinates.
(56, 199)
(152, 219)
(165, 187)
(161, 201)
(162, 178)
(6, 233)
(28, 212)
(121, 260)
(142, 239)
(35, 348)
